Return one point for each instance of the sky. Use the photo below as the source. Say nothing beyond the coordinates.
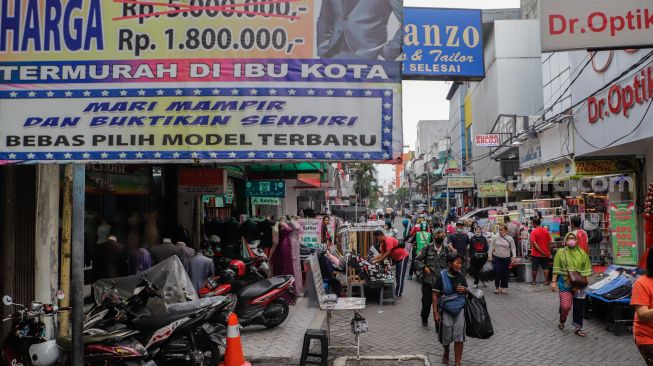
(426, 100)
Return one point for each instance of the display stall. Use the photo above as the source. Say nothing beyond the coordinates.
(608, 297)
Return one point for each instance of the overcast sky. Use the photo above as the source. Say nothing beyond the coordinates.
(424, 100)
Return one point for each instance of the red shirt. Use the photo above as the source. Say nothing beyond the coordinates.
(642, 295)
(541, 236)
(391, 245)
(583, 240)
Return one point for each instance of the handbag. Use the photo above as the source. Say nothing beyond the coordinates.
(452, 302)
(359, 324)
(577, 279)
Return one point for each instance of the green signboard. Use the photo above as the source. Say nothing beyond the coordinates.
(268, 201)
(266, 188)
(623, 219)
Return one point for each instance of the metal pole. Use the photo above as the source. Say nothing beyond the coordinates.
(428, 183)
(66, 248)
(77, 273)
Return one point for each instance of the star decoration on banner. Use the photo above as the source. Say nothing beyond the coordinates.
(31, 94)
(251, 155)
(387, 93)
(157, 155)
(347, 156)
(139, 155)
(49, 156)
(179, 92)
(50, 94)
(176, 155)
(253, 92)
(270, 155)
(13, 94)
(272, 91)
(68, 94)
(105, 93)
(87, 93)
(104, 155)
(29, 156)
(368, 93)
(292, 92)
(328, 155)
(330, 92)
(122, 155)
(197, 92)
(386, 143)
(387, 105)
(290, 155)
(141, 92)
(232, 155)
(386, 156)
(234, 91)
(216, 91)
(12, 156)
(386, 130)
(86, 155)
(213, 155)
(309, 155)
(67, 155)
(310, 92)
(349, 93)
(195, 155)
(366, 156)
(387, 118)
(123, 93)
(160, 92)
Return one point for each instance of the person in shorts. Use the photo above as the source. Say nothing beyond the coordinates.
(540, 250)
(448, 307)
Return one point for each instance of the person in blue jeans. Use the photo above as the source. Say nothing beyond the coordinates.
(502, 251)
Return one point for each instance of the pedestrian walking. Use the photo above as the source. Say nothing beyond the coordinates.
(642, 301)
(502, 251)
(431, 260)
(389, 230)
(460, 242)
(478, 253)
(540, 250)
(390, 248)
(583, 238)
(449, 292)
(569, 263)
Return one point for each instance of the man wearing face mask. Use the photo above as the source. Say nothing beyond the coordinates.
(460, 242)
(431, 260)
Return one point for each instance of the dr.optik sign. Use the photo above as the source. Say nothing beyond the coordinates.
(443, 44)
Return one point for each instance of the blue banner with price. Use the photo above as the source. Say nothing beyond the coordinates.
(443, 44)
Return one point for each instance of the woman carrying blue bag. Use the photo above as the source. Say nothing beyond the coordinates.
(449, 292)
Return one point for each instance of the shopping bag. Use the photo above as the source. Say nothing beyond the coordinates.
(487, 272)
(477, 319)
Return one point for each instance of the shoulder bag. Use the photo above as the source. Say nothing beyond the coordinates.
(451, 301)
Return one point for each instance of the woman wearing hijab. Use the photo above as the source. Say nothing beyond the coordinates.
(478, 248)
(571, 261)
(389, 231)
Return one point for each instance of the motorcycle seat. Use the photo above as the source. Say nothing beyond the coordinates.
(259, 288)
(194, 305)
(157, 321)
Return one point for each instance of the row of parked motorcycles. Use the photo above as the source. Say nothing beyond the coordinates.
(156, 317)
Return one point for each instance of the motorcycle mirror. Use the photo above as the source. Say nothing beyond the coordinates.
(7, 300)
(60, 295)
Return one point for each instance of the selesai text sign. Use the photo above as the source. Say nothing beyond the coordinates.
(488, 140)
(443, 44)
(596, 24)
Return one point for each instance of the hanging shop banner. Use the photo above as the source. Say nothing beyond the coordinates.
(488, 140)
(265, 188)
(311, 231)
(487, 190)
(460, 182)
(213, 201)
(201, 181)
(443, 44)
(452, 167)
(190, 80)
(603, 167)
(623, 222)
(595, 24)
(266, 201)
(119, 179)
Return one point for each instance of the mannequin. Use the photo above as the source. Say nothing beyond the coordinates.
(103, 231)
(151, 232)
(134, 236)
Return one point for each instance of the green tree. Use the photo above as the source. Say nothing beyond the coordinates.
(365, 184)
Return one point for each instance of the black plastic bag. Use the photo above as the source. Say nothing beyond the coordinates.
(487, 272)
(477, 319)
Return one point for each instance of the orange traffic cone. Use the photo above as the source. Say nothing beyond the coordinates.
(233, 356)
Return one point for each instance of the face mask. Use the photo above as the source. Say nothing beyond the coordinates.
(439, 240)
(571, 243)
(460, 230)
(477, 234)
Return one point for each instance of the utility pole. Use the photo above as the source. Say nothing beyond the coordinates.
(77, 270)
(447, 182)
(66, 248)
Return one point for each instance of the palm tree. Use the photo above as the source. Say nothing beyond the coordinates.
(365, 176)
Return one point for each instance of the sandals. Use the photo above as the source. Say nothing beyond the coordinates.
(579, 332)
(497, 291)
(561, 326)
(533, 283)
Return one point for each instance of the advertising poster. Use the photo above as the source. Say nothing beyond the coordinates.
(311, 234)
(496, 189)
(443, 44)
(200, 80)
(118, 179)
(623, 222)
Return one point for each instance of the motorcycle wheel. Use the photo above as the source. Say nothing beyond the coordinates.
(277, 320)
(211, 353)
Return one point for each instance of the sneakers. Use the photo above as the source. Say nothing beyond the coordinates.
(475, 286)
